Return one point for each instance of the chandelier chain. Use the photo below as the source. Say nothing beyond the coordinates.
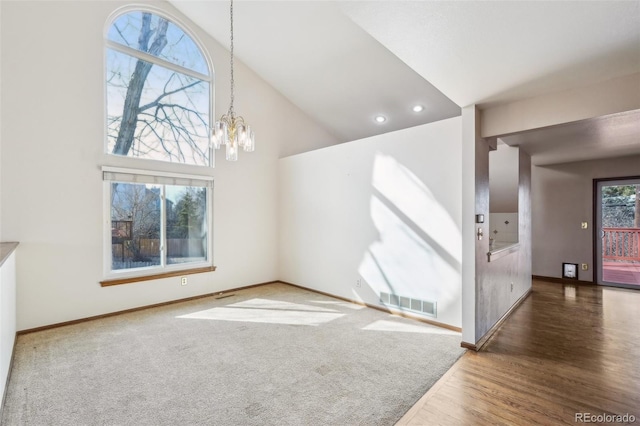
(231, 113)
(231, 130)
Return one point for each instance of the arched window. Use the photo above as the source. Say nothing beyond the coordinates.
(158, 91)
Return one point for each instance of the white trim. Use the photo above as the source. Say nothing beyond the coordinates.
(155, 173)
(210, 229)
(163, 227)
(106, 232)
(148, 270)
(155, 60)
(160, 12)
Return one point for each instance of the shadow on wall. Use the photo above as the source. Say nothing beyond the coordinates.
(418, 254)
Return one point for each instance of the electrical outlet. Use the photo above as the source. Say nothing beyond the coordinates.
(183, 280)
(358, 283)
(585, 266)
(585, 225)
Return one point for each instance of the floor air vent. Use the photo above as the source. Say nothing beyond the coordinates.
(409, 304)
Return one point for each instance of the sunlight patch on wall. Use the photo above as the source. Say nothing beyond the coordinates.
(402, 263)
(418, 253)
(416, 201)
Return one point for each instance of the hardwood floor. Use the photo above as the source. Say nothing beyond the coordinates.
(567, 349)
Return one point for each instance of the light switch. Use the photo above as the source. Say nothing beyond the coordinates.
(585, 225)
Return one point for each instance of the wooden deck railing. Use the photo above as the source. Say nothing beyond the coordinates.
(621, 244)
(176, 247)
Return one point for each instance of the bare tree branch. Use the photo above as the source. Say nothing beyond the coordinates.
(124, 39)
(165, 94)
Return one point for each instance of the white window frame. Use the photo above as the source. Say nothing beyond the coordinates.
(112, 163)
(108, 272)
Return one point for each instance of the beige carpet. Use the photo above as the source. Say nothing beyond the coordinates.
(270, 355)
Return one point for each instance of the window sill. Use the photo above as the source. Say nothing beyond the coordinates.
(129, 280)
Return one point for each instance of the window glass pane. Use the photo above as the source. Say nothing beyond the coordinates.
(135, 225)
(159, 37)
(155, 113)
(187, 226)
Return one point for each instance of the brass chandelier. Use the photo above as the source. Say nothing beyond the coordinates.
(231, 130)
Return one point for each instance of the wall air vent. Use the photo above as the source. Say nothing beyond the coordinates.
(429, 308)
(416, 305)
(394, 300)
(404, 303)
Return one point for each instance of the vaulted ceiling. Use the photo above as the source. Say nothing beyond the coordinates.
(345, 62)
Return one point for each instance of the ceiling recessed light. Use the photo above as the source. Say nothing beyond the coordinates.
(418, 108)
(380, 118)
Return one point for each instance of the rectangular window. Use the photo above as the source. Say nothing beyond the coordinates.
(156, 223)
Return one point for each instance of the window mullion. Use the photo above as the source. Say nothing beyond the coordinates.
(163, 228)
(156, 60)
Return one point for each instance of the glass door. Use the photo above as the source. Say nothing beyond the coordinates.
(617, 208)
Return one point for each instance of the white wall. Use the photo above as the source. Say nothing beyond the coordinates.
(562, 198)
(52, 134)
(385, 210)
(470, 134)
(7, 318)
(489, 289)
(1, 122)
(608, 97)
